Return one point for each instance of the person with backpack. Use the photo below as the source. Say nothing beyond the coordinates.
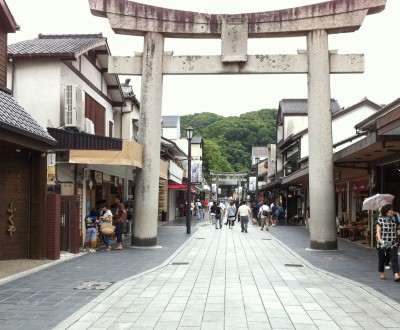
(264, 213)
(218, 211)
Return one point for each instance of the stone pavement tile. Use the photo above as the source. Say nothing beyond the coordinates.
(175, 307)
(169, 325)
(319, 315)
(257, 317)
(118, 326)
(368, 325)
(277, 313)
(146, 321)
(170, 317)
(300, 319)
(259, 325)
(191, 320)
(295, 310)
(344, 321)
(311, 306)
(215, 307)
(254, 307)
(127, 317)
(281, 323)
(212, 326)
(327, 325)
(213, 316)
(387, 322)
(305, 327)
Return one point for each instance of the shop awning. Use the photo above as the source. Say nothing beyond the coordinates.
(130, 155)
(177, 186)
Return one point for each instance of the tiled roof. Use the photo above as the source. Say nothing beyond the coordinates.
(299, 106)
(14, 118)
(63, 45)
(170, 121)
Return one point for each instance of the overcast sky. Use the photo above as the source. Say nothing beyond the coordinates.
(378, 39)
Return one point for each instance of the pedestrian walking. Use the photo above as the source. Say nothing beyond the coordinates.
(272, 210)
(211, 209)
(231, 211)
(120, 217)
(386, 236)
(254, 209)
(217, 210)
(264, 213)
(200, 210)
(244, 213)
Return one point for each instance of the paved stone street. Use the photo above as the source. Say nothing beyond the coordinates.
(217, 279)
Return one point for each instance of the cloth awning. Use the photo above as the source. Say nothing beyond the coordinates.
(177, 186)
(130, 155)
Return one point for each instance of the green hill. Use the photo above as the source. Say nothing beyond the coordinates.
(228, 140)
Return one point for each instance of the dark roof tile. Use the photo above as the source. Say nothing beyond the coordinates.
(14, 118)
(299, 106)
(65, 44)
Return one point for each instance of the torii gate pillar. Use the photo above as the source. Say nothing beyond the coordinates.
(320, 159)
(314, 22)
(147, 179)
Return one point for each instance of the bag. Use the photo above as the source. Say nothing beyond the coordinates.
(265, 213)
(218, 216)
(107, 229)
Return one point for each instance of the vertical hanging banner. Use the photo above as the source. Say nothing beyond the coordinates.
(197, 172)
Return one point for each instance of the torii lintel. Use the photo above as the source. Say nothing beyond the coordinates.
(336, 16)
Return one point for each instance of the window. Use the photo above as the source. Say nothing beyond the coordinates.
(97, 114)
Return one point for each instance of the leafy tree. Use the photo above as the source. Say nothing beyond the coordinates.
(227, 141)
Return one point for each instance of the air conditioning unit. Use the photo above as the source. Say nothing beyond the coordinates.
(74, 107)
(89, 126)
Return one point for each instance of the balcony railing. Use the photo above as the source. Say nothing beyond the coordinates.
(69, 139)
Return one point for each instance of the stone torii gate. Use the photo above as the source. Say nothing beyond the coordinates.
(315, 22)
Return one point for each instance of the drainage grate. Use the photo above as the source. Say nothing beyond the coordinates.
(93, 286)
(335, 258)
(293, 265)
(266, 239)
(180, 263)
(200, 238)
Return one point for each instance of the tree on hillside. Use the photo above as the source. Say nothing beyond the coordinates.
(228, 140)
(213, 159)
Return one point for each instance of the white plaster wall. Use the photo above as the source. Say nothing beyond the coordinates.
(170, 133)
(343, 126)
(304, 146)
(294, 124)
(68, 77)
(90, 72)
(196, 151)
(37, 90)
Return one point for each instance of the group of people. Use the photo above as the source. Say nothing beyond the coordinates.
(264, 214)
(101, 217)
(242, 212)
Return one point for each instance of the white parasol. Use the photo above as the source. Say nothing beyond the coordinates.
(375, 202)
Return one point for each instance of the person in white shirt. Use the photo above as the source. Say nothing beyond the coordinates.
(244, 213)
(264, 215)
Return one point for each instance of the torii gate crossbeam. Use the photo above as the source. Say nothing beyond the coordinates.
(315, 22)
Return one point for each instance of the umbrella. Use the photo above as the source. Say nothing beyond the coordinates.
(375, 202)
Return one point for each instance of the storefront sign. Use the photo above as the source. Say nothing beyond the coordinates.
(361, 185)
(98, 177)
(11, 228)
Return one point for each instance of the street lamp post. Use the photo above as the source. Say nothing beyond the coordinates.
(189, 135)
(257, 160)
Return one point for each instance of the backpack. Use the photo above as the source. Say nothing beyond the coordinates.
(265, 213)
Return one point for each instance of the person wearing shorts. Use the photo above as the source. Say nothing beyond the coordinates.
(91, 230)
